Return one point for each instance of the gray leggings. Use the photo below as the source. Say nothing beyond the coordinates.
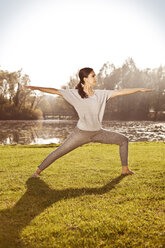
(79, 137)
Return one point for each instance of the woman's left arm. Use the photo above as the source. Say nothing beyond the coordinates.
(129, 91)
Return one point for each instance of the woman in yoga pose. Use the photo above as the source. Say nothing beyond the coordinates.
(90, 105)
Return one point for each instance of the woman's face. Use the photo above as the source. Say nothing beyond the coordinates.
(91, 79)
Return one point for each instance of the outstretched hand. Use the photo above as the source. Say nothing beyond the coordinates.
(145, 90)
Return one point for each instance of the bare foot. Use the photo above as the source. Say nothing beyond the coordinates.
(36, 173)
(127, 171)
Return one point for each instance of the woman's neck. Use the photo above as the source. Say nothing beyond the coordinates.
(88, 90)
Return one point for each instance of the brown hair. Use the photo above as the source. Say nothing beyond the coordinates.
(84, 72)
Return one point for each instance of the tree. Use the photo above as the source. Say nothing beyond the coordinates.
(158, 96)
(14, 96)
(74, 80)
(104, 76)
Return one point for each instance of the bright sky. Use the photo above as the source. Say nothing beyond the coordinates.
(52, 39)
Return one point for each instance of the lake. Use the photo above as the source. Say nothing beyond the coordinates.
(56, 131)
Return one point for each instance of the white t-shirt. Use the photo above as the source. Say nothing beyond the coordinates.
(90, 110)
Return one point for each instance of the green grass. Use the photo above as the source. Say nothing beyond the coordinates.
(81, 200)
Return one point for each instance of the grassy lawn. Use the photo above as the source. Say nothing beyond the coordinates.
(81, 200)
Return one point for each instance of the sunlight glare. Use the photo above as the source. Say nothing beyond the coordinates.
(56, 41)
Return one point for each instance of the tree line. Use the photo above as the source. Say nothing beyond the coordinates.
(16, 102)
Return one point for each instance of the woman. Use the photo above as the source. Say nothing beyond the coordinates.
(90, 105)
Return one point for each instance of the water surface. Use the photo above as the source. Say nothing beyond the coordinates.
(56, 131)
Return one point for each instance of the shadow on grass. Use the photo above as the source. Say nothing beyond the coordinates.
(37, 198)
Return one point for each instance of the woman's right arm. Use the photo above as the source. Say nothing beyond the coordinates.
(46, 90)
